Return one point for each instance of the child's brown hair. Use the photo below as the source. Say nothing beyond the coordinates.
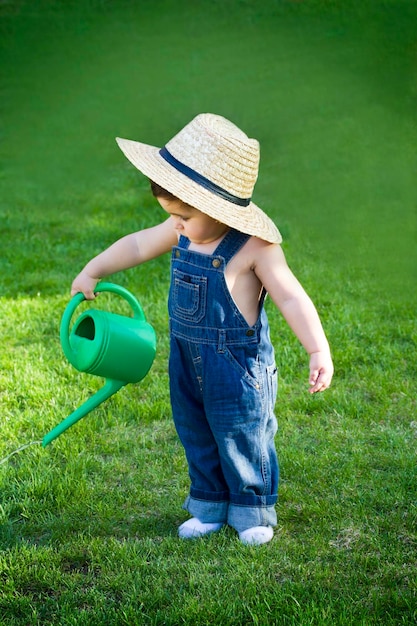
(160, 192)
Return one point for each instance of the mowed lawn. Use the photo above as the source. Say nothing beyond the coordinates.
(88, 523)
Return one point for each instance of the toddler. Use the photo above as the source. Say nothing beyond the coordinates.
(226, 257)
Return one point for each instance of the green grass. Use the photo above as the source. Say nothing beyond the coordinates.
(88, 524)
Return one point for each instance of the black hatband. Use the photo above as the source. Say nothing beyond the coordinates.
(202, 180)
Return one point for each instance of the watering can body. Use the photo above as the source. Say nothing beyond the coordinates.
(112, 345)
(116, 347)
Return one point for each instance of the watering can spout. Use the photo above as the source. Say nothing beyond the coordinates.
(100, 396)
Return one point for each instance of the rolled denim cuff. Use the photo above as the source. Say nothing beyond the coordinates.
(207, 511)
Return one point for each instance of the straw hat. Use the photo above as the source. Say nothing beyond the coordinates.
(212, 166)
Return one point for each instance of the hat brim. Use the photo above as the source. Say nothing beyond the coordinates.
(250, 220)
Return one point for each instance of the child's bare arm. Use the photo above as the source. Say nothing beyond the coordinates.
(298, 310)
(127, 252)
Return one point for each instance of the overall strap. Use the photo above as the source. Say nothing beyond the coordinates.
(183, 242)
(227, 248)
(231, 244)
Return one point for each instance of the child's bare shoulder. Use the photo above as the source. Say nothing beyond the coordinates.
(156, 240)
(258, 251)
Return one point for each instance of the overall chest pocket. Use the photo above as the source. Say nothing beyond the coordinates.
(189, 294)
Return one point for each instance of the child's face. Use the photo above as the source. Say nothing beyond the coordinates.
(198, 227)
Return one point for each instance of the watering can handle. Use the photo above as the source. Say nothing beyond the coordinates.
(79, 297)
(129, 297)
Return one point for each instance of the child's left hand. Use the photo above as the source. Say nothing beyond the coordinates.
(321, 371)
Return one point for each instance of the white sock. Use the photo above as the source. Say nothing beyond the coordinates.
(193, 528)
(257, 535)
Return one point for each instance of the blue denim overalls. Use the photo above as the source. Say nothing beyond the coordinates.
(223, 382)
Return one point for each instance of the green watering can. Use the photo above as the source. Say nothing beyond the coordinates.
(117, 347)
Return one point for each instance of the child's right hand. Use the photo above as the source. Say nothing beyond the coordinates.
(85, 284)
